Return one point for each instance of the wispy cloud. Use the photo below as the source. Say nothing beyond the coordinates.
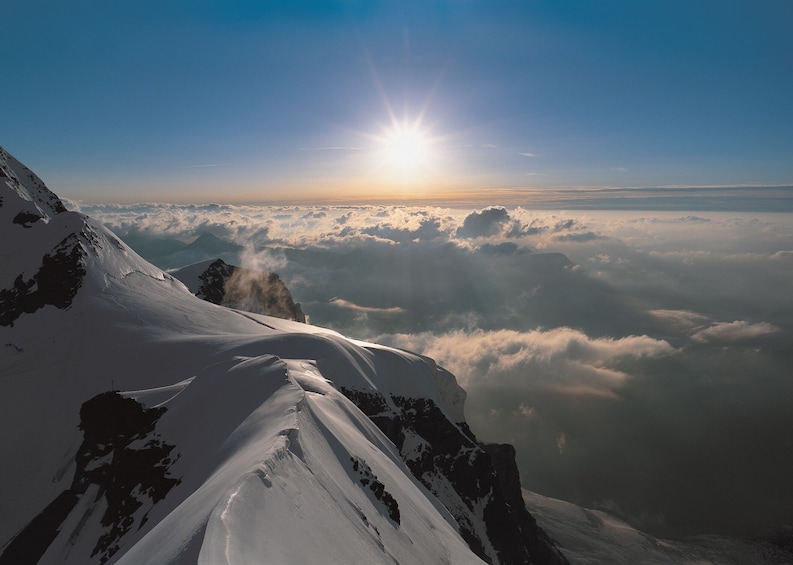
(331, 148)
(735, 332)
(528, 154)
(341, 303)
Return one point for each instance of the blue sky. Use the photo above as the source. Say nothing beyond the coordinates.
(261, 101)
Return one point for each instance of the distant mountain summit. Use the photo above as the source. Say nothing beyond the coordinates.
(244, 289)
(169, 253)
(141, 424)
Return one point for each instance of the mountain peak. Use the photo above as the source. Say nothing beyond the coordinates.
(29, 188)
(210, 243)
(218, 282)
(262, 440)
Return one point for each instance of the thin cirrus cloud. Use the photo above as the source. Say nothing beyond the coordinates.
(341, 303)
(735, 332)
(331, 148)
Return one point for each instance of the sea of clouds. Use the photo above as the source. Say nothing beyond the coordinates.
(640, 362)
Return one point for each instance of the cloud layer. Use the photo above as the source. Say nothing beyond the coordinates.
(638, 361)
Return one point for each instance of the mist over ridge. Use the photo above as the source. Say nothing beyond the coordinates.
(638, 360)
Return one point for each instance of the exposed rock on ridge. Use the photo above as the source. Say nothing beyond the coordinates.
(55, 280)
(122, 458)
(243, 289)
(478, 483)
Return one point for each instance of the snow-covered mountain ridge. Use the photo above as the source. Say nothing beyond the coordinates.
(255, 439)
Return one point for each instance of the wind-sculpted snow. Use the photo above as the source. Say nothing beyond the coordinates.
(268, 476)
(252, 452)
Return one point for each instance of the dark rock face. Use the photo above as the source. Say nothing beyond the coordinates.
(110, 424)
(56, 283)
(245, 289)
(26, 219)
(111, 456)
(62, 268)
(484, 477)
(516, 521)
(368, 479)
(213, 281)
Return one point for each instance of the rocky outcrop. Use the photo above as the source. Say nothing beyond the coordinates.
(123, 458)
(243, 289)
(55, 283)
(478, 483)
(25, 203)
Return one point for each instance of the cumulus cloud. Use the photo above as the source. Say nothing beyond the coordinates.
(428, 228)
(503, 248)
(580, 237)
(563, 358)
(497, 221)
(487, 222)
(692, 220)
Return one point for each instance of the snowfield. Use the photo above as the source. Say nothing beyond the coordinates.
(594, 537)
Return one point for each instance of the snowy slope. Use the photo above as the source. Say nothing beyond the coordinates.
(594, 537)
(232, 441)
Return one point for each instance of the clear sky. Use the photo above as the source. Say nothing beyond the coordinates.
(256, 101)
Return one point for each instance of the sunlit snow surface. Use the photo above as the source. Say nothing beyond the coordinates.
(265, 441)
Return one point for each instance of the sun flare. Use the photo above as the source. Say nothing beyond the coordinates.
(405, 150)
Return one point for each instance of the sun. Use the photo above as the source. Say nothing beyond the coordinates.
(405, 150)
